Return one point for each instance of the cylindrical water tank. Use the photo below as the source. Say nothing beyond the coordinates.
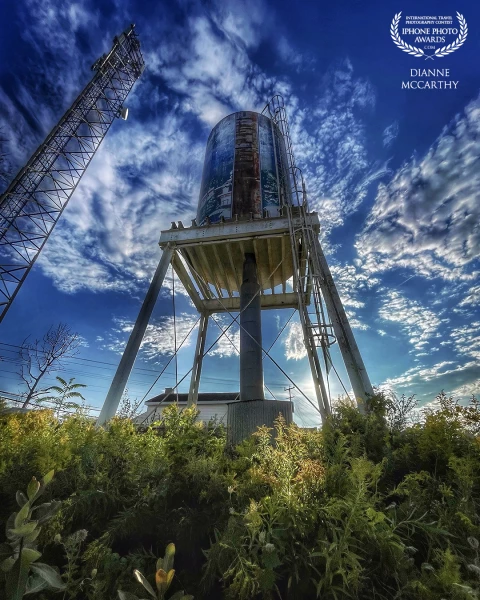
(245, 170)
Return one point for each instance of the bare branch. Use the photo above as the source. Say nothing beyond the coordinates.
(44, 356)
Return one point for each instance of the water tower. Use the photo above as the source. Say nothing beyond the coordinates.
(254, 246)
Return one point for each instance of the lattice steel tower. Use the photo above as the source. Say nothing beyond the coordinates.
(36, 198)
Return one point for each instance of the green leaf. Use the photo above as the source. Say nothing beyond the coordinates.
(25, 529)
(48, 477)
(145, 583)
(7, 564)
(35, 584)
(127, 596)
(9, 526)
(168, 559)
(21, 498)
(32, 489)
(16, 581)
(49, 574)
(31, 537)
(22, 515)
(31, 555)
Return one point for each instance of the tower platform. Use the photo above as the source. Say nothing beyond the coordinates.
(208, 260)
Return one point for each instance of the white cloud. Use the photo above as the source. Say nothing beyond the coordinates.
(472, 297)
(390, 133)
(330, 143)
(420, 324)
(227, 345)
(207, 63)
(427, 218)
(467, 390)
(111, 227)
(352, 285)
(421, 373)
(159, 337)
(356, 323)
(466, 339)
(294, 345)
(292, 57)
(243, 22)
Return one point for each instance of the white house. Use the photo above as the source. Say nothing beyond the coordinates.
(210, 405)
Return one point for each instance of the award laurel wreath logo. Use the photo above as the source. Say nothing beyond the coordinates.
(439, 52)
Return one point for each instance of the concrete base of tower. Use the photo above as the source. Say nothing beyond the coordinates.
(244, 417)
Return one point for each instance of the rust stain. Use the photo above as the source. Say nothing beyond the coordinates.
(247, 196)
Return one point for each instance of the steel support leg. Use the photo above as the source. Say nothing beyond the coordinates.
(357, 373)
(133, 345)
(197, 361)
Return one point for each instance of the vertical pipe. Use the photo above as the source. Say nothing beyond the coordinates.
(125, 366)
(251, 366)
(197, 361)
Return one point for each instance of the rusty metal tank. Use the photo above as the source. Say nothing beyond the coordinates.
(245, 171)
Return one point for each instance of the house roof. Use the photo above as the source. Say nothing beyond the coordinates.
(207, 397)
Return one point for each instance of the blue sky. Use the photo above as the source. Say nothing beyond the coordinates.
(393, 173)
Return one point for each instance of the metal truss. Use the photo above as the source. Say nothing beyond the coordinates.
(36, 198)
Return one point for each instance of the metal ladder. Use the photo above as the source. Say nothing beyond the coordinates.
(317, 332)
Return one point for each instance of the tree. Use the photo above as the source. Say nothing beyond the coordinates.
(64, 393)
(129, 408)
(43, 356)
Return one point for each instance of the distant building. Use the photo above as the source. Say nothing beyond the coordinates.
(210, 405)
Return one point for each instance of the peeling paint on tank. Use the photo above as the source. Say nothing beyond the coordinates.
(268, 170)
(216, 189)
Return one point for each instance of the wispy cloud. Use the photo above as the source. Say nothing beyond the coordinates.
(159, 337)
(390, 134)
(144, 177)
(420, 324)
(420, 374)
(426, 219)
(466, 340)
(228, 344)
(331, 145)
(467, 390)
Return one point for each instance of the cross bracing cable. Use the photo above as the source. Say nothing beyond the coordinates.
(235, 319)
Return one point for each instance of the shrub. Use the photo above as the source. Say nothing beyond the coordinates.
(371, 506)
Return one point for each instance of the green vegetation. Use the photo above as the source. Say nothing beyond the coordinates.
(369, 507)
(23, 574)
(62, 400)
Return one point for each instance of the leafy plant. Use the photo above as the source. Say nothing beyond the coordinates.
(372, 506)
(163, 579)
(62, 400)
(23, 574)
